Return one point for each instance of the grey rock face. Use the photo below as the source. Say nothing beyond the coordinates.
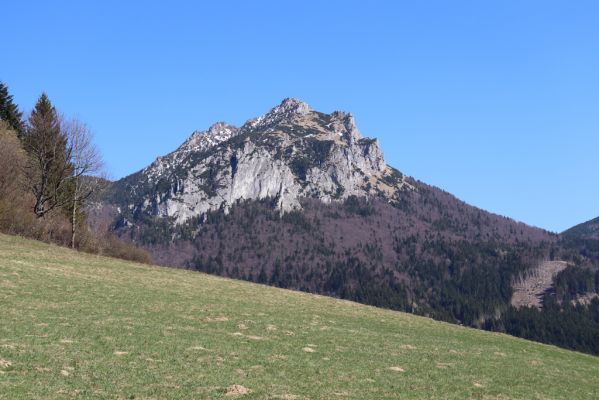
(289, 153)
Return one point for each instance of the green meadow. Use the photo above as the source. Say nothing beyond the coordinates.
(80, 326)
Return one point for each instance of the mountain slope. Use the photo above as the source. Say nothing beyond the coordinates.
(77, 325)
(300, 199)
(588, 230)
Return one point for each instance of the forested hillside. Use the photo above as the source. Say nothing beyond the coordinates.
(429, 254)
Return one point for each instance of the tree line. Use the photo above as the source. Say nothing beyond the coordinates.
(50, 168)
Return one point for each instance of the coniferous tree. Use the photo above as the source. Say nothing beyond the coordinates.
(49, 158)
(9, 112)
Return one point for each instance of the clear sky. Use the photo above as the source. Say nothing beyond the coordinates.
(496, 102)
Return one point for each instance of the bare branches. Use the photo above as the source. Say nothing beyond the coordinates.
(86, 164)
(85, 157)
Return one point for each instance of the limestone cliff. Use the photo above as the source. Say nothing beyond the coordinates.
(291, 152)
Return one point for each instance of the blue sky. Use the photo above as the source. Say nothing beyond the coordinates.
(496, 102)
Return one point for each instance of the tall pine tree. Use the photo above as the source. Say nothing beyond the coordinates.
(9, 111)
(49, 158)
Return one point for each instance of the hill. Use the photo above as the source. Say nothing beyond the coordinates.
(300, 199)
(82, 326)
(588, 230)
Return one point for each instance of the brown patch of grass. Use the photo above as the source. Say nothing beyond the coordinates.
(408, 347)
(252, 337)
(221, 318)
(237, 390)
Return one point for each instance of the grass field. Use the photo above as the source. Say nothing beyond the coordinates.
(81, 326)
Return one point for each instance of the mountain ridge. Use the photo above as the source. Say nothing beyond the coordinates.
(588, 230)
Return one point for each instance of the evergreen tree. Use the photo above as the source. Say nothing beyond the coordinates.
(9, 111)
(49, 166)
(262, 277)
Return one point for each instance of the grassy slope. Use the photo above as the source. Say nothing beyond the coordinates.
(80, 326)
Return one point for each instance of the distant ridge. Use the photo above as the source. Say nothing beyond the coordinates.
(589, 229)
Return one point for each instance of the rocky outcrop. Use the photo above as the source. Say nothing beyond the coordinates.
(291, 152)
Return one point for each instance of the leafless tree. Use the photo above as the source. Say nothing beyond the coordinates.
(87, 166)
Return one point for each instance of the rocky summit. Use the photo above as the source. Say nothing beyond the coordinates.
(289, 153)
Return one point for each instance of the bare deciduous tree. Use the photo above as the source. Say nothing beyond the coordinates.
(86, 164)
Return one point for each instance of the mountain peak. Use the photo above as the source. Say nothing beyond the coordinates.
(290, 153)
(220, 127)
(202, 140)
(291, 104)
(288, 109)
